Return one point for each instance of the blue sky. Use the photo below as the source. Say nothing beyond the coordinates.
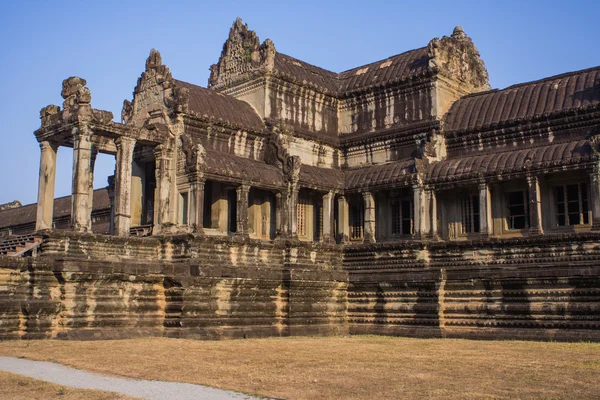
(107, 43)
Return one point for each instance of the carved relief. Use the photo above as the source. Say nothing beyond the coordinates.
(457, 57)
(195, 154)
(242, 54)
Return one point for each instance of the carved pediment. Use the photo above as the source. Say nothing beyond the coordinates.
(457, 57)
(241, 57)
(155, 94)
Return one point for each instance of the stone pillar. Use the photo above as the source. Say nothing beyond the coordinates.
(125, 146)
(594, 196)
(293, 210)
(328, 219)
(419, 211)
(369, 229)
(433, 219)
(47, 178)
(94, 154)
(485, 210)
(82, 154)
(535, 206)
(197, 203)
(111, 199)
(343, 220)
(242, 192)
(281, 214)
(163, 202)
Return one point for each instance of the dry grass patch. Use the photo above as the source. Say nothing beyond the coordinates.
(363, 367)
(17, 387)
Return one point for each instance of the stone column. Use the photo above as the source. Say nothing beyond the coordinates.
(197, 203)
(111, 199)
(162, 194)
(82, 154)
(433, 219)
(343, 220)
(242, 192)
(485, 209)
(419, 211)
(369, 228)
(47, 178)
(328, 219)
(293, 210)
(125, 146)
(535, 206)
(281, 214)
(94, 154)
(594, 196)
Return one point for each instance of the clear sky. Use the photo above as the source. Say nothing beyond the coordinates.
(107, 42)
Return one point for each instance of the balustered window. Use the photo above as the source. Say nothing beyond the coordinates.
(518, 210)
(571, 204)
(357, 214)
(469, 210)
(402, 216)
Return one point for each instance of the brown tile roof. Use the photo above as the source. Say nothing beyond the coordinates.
(512, 161)
(304, 72)
(219, 106)
(396, 68)
(580, 89)
(327, 178)
(62, 208)
(228, 165)
(377, 175)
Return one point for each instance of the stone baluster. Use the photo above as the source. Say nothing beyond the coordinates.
(82, 154)
(343, 220)
(328, 217)
(369, 219)
(47, 178)
(485, 209)
(535, 206)
(242, 192)
(125, 146)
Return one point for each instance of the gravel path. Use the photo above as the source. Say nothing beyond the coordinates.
(77, 378)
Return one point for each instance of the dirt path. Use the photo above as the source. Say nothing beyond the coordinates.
(143, 389)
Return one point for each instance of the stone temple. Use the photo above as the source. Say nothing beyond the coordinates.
(402, 197)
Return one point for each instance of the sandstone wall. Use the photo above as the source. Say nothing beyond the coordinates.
(91, 287)
(544, 288)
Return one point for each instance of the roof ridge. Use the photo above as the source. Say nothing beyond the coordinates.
(312, 65)
(56, 198)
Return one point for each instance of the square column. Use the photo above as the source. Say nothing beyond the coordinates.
(485, 209)
(242, 192)
(94, 154)
(111, 199)
(164, 204)
(293, 210)
(433, 221)
(47, 179)
(369, 233)
(80, 199)
(420, 212)
(535, 206)
(196, 211)
(125, 146)
(281, 214)
(328, 217)
(343, 220)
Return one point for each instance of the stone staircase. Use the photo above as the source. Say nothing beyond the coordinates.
(19, 246)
